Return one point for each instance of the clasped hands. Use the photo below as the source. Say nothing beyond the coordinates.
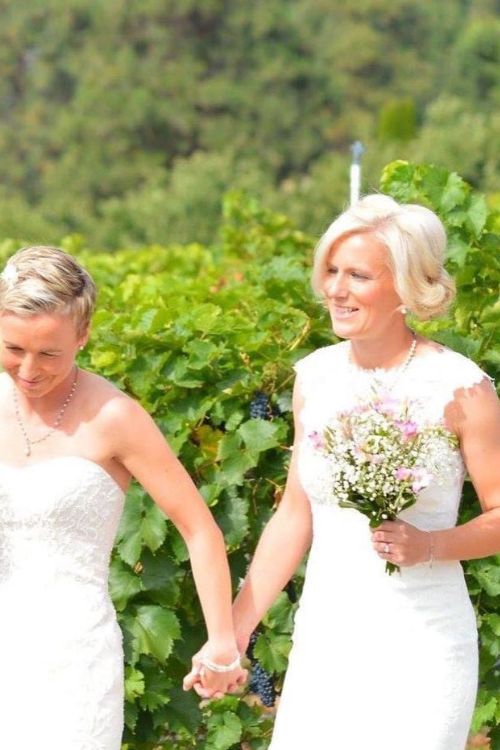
(208, 683)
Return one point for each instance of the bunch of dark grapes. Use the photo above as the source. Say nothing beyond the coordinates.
(261, 682)
(260, 407)
(291, 591)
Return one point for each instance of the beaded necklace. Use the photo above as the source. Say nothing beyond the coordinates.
(398, 371)
(29, 442)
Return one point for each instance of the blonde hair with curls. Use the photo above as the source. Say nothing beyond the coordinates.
(416, 242)
(44, 279)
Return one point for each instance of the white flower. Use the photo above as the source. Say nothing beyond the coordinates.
(9, 274)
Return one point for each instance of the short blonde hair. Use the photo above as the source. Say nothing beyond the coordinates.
(44, 279)
(416, 242)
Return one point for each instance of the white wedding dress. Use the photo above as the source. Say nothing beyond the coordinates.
(61, 659)
(379, 662)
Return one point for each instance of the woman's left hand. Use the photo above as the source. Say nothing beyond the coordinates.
(209, 684)
(401, 543)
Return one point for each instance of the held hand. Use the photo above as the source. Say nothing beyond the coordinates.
(402, 544)
(208, 683)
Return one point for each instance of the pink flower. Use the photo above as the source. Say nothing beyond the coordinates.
(408, 429)
(386, 404)
(402, 474)
(421, 480)
(317, 440)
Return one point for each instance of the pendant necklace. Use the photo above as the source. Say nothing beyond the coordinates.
(29, 442)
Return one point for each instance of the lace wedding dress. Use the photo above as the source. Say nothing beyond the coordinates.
(61, 681)
(379, 662)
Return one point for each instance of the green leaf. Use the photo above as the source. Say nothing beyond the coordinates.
(159, 578)
(142, 525)
(131, 715)
(155, 630)
(129, 536)
(455, 192)
(234, 468)
(228, 446)
(484, 713)
(178, 546)
(182, 714)
(259, 435)
(124, 584)
(477, 213)
(154, 527)
(101, 360)
(157, 689)
(272, 652)
(487, 574)
(458, 250)
(234, 420)
(134, 684)
(233, 519)
(493, 620)
(280, 616)
(224, 731)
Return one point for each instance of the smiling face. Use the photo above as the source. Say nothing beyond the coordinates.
(359, 288)
(38, 351)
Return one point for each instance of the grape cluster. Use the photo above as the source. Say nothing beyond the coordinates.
(261, 682)
(260, 407)
(291, 590)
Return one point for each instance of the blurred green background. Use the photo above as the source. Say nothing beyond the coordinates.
(128, 121)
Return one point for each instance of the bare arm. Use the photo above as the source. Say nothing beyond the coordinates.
(282, 545)
(474, 416)
(142, 449)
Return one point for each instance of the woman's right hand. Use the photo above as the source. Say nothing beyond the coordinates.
(209, 684)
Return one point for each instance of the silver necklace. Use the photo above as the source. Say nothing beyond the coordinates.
(399, 371)
(57, 421)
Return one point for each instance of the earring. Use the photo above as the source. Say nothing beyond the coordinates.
(82, 348)
(403, 309)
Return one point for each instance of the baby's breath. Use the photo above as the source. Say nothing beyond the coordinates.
(379, 458)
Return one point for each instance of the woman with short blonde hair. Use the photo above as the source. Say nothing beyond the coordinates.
(42, 279)
(70, 442)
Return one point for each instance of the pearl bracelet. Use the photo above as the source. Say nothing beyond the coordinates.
(220, 668)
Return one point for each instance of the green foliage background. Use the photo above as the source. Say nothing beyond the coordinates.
(193, 332)
(127, 122)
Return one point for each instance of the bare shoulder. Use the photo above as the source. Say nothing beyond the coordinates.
(115, 411)
(476, 407)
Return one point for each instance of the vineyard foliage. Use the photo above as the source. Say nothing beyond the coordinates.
(194, 333)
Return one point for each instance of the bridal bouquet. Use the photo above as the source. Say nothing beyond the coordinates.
(380, 458)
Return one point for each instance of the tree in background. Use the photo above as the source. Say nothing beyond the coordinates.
(128, 121)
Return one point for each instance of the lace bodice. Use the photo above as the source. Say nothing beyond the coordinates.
(60, 643)
(58, 519)
(330, 384)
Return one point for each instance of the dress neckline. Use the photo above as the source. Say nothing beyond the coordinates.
(52, 459)
(377, 372)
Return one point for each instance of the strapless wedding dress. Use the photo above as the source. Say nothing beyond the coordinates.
(61, 663)
(379, 662)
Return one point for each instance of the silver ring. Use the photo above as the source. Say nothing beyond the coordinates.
(387, 549)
